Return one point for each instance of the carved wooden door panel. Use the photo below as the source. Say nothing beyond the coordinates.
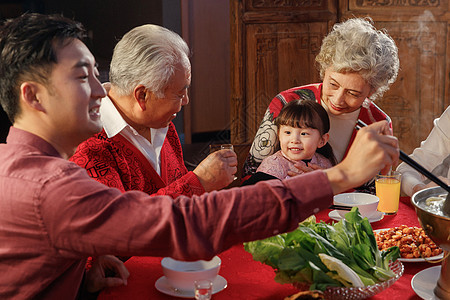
(279, 56)
(417, 97)
(274, 44)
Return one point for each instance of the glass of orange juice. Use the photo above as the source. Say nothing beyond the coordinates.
(388, 190)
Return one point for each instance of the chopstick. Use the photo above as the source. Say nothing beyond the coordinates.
(360, 124)
(340, 207)
(408, 160)
(412, 163)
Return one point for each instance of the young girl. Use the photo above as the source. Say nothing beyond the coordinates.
(303, 127)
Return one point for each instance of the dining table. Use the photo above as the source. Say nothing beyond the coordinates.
(250, 279)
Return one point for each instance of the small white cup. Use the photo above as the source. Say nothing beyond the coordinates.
(203, 289)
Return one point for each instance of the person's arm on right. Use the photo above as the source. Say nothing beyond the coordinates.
(431, 153)
(421, 186)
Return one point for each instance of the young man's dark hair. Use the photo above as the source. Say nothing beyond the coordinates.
(27, 52)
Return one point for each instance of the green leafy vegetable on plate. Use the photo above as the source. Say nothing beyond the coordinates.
(343, 254)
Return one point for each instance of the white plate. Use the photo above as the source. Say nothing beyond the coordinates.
(420, 259)
(436, 257)
(377, 216)
(424, 282)
(162, 285)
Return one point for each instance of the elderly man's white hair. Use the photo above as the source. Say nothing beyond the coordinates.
(147, 55)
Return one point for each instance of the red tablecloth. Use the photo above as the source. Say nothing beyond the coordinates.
(249, 279)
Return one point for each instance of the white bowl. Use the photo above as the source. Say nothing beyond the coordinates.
(182, 274)
(366, 203)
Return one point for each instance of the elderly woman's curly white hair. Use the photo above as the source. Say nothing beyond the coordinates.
(357, 46)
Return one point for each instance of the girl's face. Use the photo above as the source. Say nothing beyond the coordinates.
(300, 143)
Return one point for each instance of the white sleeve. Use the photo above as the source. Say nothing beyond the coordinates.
(432, 153)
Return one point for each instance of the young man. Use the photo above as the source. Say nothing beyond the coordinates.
(53, 215)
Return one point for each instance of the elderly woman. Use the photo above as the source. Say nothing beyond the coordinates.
(138, 148)
(357, 64)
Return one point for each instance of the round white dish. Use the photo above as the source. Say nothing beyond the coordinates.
(420, 259)
(424, 282)
(163, 286)
(436, 257)
(377, 216)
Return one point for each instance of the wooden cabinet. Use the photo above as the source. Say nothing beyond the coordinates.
(273, 47)
(274, 44)
(418, 95)
(421, 30)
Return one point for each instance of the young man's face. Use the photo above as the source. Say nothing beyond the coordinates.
(73, 95)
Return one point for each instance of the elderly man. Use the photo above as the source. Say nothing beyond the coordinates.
(53, 215)
(139, 148)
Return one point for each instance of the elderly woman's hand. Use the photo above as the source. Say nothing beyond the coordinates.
(217, 170)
